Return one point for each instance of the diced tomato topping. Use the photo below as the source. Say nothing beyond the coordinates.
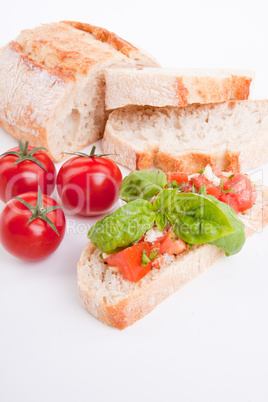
(236, 191)
(171, 246)
(219, 174)
(229, 200)
(129, 261)
(241, 191)
(200, 180)
(180, 178)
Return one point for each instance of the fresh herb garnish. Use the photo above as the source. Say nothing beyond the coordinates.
(225, 191)
(153, 255)
(144, 259)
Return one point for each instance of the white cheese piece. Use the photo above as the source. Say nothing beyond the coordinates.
(152, 235)
(208, 173)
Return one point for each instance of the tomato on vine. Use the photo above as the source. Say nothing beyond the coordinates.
(32, 226)
(23, 169)
(88, 185)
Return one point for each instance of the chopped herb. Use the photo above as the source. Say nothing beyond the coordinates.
(225, 191)
(153, 255)
(193, 190)
(189, 246)
(202, 190)
(101, 256)
(231, 177)
(144, 259)
(201, 171)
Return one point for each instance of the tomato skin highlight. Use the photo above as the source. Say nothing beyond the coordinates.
(34, 241)
(129, 261)
(25, 176)
(88, 186)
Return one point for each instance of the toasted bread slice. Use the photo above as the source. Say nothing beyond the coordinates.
(174, 87)
(120, 303)
(230, 135)
(52, 83)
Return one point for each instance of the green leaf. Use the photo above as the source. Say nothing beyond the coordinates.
(232, 243)
(142, 184)
(195, 218)
(122, 227)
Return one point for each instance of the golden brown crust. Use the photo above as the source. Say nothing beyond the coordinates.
(181, 92)
(241, 87)
(59, 71)
(104, 35)
(189, 163)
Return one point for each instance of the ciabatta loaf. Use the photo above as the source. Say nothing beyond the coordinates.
(230, 135)
(120, 303)
(174, 87)
(52, 84)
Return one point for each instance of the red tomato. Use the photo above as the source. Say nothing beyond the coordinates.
(200, 180)
(170, 246)
(33, 240)
(241, 191)
(178, 177)
(129, 261)
(89, 185)
(17, 178)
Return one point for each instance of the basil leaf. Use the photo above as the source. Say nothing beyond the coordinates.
(195, 218)
(232, 243)
(142, 184)
(122, 227)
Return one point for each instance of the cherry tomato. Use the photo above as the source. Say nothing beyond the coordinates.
(23, 169)
(32, 226)
(88, 185)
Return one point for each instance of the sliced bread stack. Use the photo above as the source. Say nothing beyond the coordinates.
(184, 119)
(52, 83)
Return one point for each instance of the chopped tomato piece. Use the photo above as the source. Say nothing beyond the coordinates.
(171, 246)
(219, 174)
(129, 261)
(180, 178)
(241, 190)
(200, 180)
(230, 200)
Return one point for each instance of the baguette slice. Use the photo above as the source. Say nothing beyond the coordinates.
(52, 83)
(120, 303)
(230, 135)
(174, 87)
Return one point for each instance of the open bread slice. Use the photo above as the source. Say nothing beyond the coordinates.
(120, 303)
(230, 135)
(174, 87)
(52, 83)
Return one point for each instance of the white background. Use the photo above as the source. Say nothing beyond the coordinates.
(208, 342)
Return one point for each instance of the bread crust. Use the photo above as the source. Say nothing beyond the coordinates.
(40, 72)
(247, 152)
(167, 87)
(186, 267)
